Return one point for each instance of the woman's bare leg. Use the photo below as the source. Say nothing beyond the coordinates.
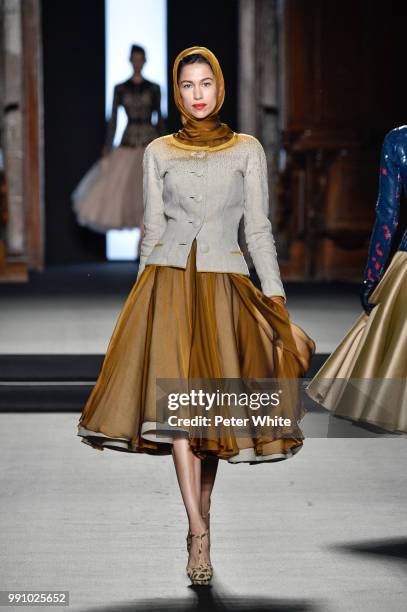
(188, 470)
(208, 474)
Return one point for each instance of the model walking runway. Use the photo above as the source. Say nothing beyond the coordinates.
(193, 312)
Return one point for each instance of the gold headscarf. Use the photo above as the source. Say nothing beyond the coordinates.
(208, 131)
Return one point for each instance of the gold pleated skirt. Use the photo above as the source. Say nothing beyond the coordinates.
(365, 378)
(183, 324)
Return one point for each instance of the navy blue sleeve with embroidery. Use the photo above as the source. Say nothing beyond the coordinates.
(387, 212)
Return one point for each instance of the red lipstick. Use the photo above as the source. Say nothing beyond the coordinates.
(199, 106)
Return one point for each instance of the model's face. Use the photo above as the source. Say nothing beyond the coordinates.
(137, 61)
(198, 90)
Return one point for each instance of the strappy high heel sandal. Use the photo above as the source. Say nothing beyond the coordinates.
(202, 572)
(189, 537)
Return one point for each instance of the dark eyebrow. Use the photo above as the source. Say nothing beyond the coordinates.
(205, 79)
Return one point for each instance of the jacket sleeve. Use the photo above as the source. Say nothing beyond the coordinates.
(154, 219)
(387, 212)
(257, 225)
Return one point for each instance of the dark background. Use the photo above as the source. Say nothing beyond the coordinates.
(74, 119)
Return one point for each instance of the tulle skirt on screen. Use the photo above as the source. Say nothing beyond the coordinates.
(110, 195)
(181, 324)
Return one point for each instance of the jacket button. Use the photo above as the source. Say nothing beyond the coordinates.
(199, 198)
(204, 248)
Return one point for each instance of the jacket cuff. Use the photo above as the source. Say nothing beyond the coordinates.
(272, 288)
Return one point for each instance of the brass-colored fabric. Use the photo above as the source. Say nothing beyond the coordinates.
(180, 323)
(365, 378)
(208, 131)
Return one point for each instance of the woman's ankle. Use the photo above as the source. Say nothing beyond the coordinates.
(197, 524)
(200, 551)
(205, 510)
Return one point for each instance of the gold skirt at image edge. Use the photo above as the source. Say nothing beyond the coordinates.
(365, 378)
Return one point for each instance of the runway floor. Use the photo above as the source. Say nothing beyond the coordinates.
(73, 309)
(323, 531)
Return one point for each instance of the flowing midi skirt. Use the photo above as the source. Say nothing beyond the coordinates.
(365, 378)
(183, 324)
(110, 195)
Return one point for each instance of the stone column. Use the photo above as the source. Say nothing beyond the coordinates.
(267, 59)
(259, 88)
(247, 67)
(12, 127)
(33, 134)
(21, 137)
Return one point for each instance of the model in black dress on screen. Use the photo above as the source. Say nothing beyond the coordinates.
(110, 195)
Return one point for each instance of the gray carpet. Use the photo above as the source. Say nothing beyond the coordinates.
(324, 531)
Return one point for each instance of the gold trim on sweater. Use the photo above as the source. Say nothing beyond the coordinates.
(180, 145)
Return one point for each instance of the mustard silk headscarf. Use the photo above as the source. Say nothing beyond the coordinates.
(208, 131)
